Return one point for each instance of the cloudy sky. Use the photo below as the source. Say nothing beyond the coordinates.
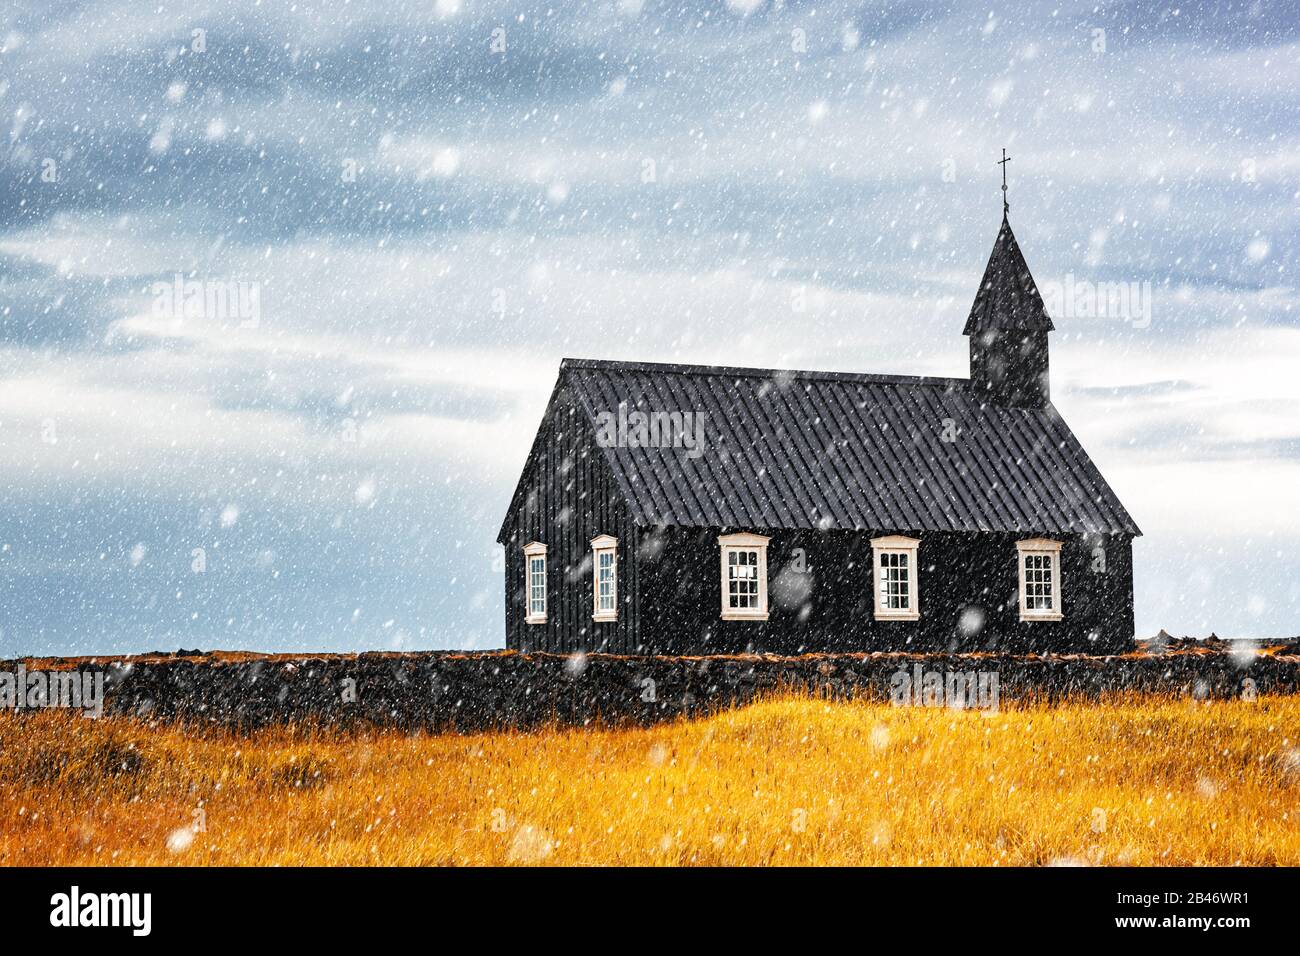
(418, 208)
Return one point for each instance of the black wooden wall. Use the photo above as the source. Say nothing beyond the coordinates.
(568, 497)
(1010, 367)
(828, 605)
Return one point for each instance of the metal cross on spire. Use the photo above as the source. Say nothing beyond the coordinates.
(1006, 207)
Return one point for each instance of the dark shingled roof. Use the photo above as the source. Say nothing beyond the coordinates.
(825, 450)
(1007, 296)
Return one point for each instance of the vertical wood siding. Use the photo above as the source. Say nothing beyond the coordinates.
(569, 497)
(829, 605)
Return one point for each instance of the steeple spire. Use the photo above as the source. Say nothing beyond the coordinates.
(1006, 206)
(1008, 326)
(1008, 297)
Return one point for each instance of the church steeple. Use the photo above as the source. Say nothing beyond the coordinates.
(1008, 326)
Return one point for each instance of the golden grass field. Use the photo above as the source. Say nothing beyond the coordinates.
(787, 781)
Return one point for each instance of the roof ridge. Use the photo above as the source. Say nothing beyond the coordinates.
(865, 378)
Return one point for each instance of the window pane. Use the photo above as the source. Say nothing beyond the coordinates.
(742, 579)
(537, 585)
(605, 580)
(895, 581)
(1039, 595)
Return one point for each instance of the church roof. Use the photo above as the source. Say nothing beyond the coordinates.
(1008, 297)
(789, 449)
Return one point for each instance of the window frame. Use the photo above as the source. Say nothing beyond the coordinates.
(1050, 548)
(532, 551)
(743, 541)
(604, 544)
(896, 544)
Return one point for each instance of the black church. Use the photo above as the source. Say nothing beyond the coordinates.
(684, 509)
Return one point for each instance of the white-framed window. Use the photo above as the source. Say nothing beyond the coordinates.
(744, 577)
(1040, 579)
(893, 559)
(604, 578)
(535, 583)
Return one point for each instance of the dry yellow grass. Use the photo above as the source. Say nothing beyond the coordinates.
(787, 781)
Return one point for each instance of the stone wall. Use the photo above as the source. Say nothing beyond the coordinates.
(476, 691)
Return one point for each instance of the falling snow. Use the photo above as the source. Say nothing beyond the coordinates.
(284, 288)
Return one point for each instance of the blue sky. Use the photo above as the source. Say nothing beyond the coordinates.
(429, 222)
